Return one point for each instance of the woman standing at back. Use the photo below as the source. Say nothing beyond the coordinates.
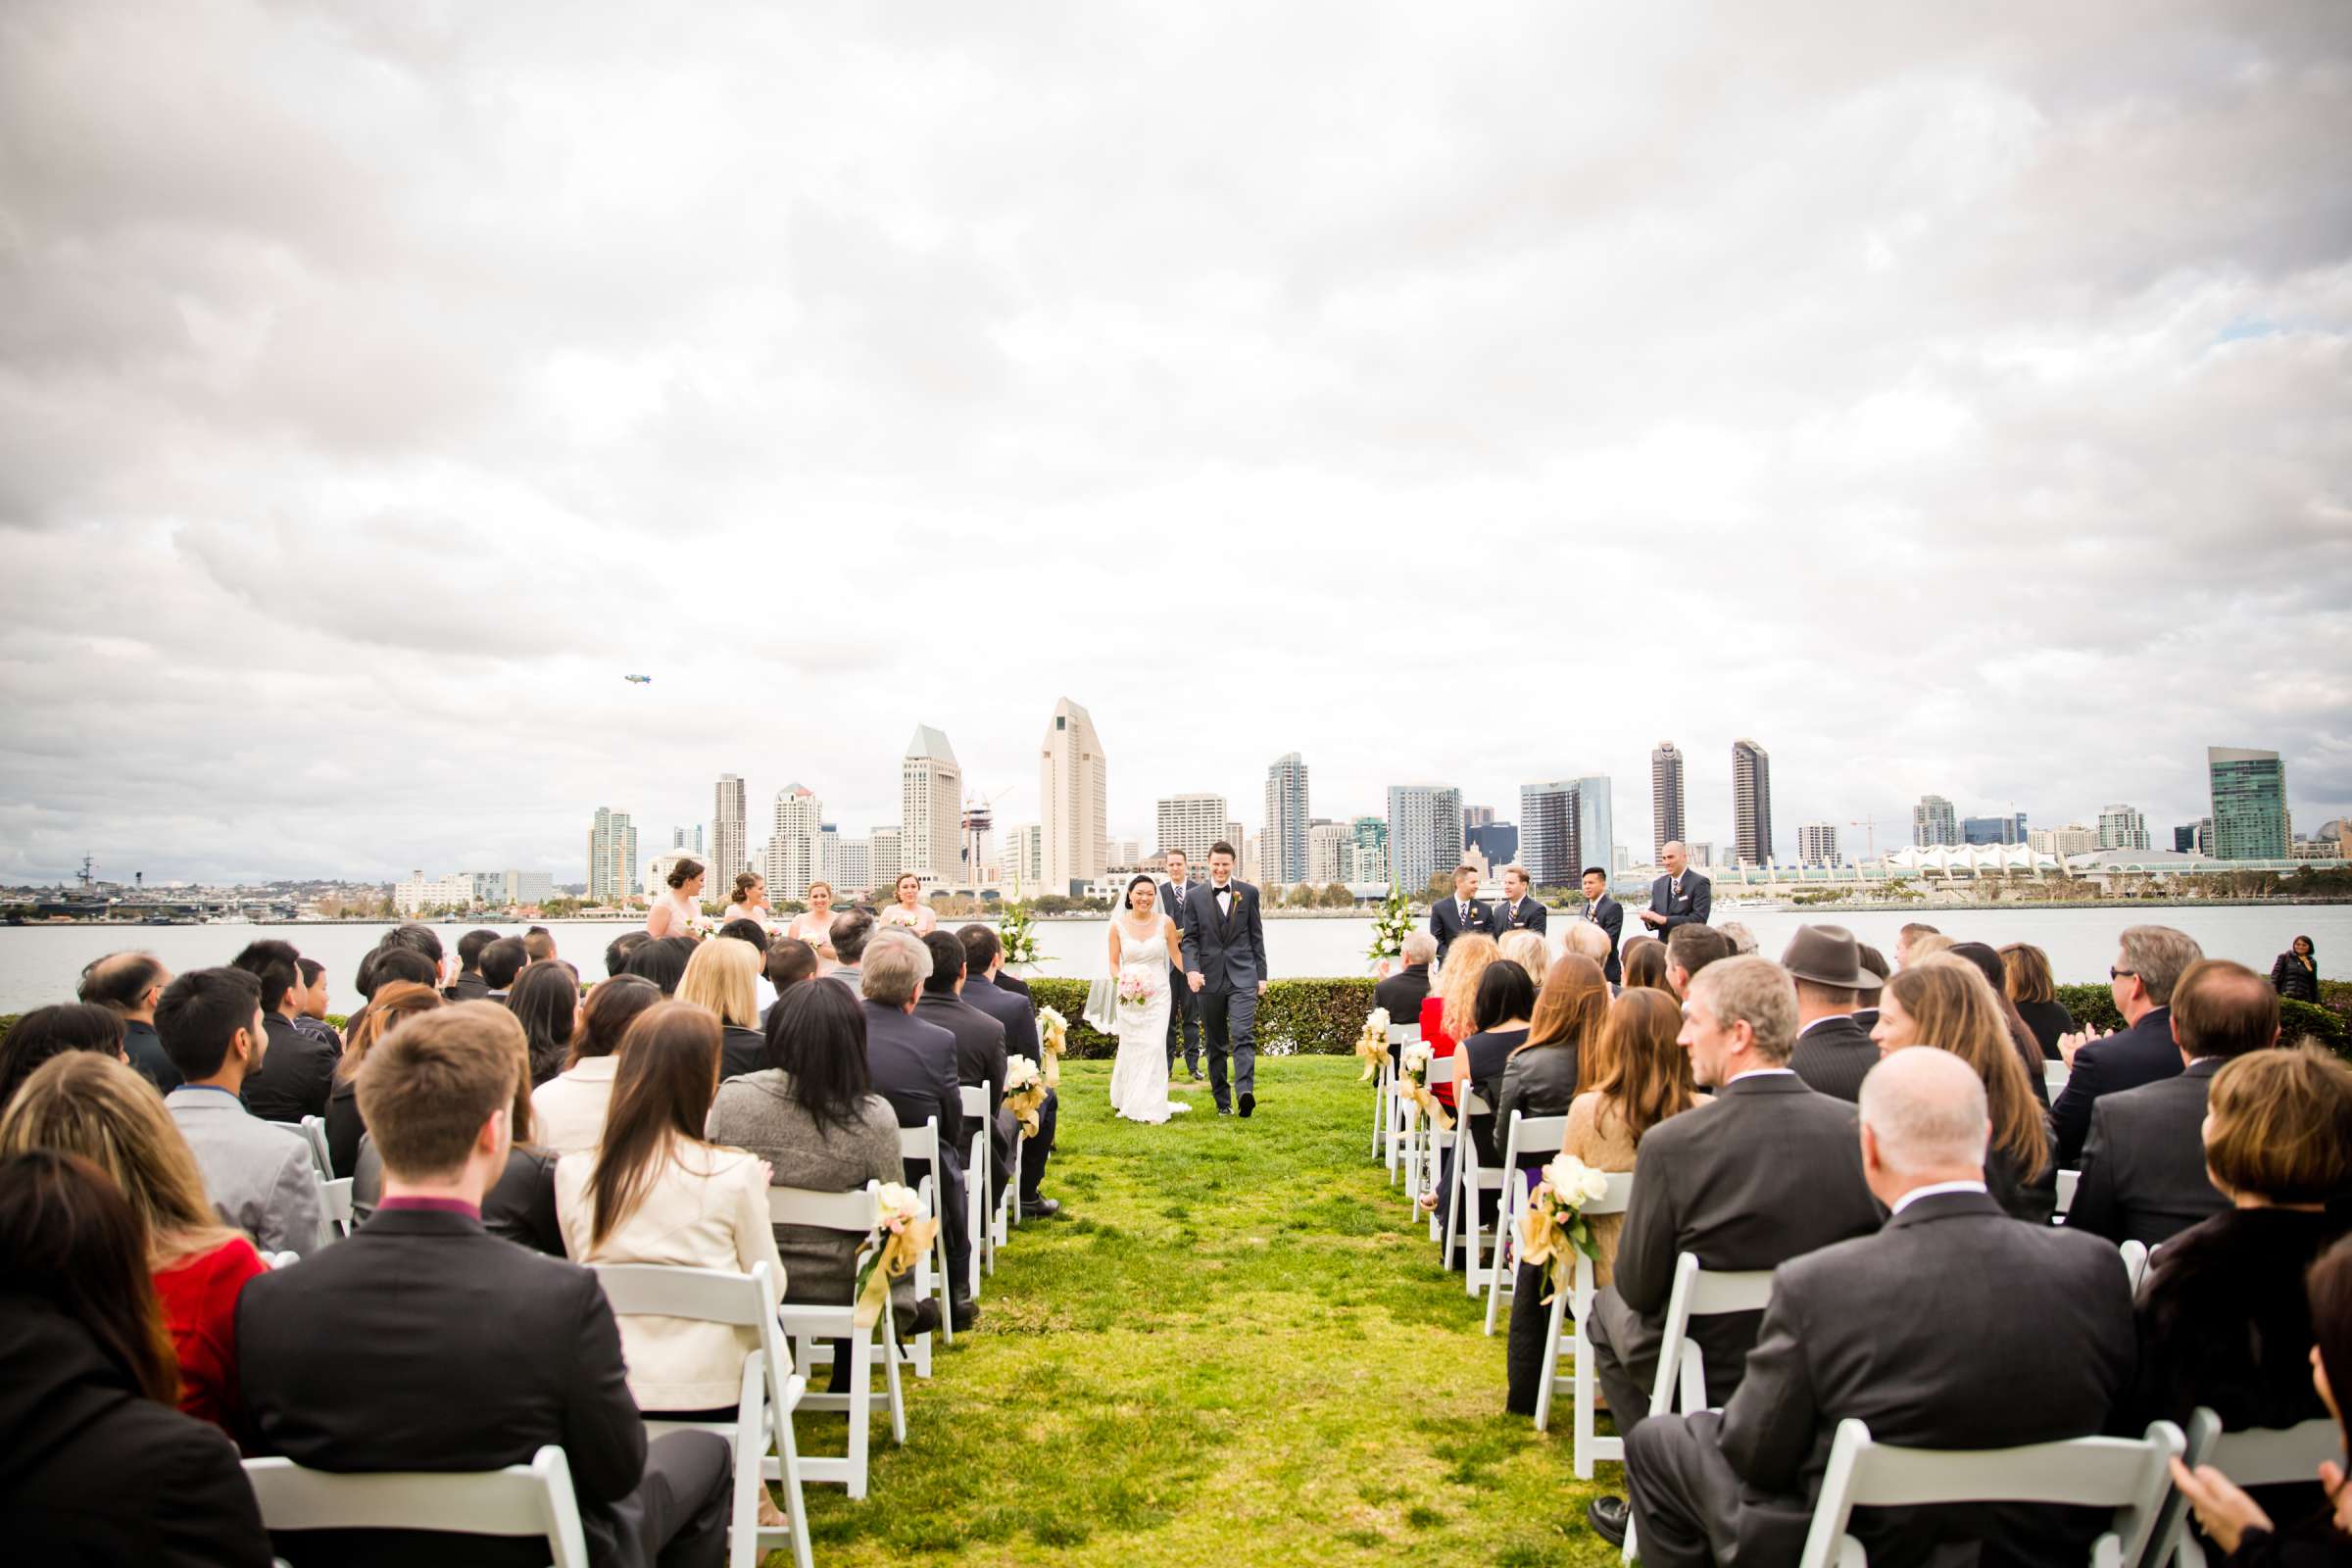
(2296, 974)
(679, 911)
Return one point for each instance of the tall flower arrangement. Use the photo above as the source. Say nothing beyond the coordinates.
(1389, 927)
(1019, 935)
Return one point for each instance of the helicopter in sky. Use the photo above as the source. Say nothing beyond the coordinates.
(638, 680)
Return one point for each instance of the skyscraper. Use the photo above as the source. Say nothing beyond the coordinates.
(1073, 807)
(1425, 832)
(1817, 844)
(2249, 804)
(2123, 827)
(1596, 825)
(1328, 847)
(2009, 829)
(729, 853)
(1933, 822)
(854, 872)
(612, 856)
(1564, 826)
(886, 857)
(1476, 816)
(1666, 816)
(794, 853)
(1192, 823)
(930, 808)
(1370, 858)
(1751, 803)
(1286, 820)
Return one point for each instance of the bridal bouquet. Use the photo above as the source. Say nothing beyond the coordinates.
(1412, 1085)
(1553, 1229)
(1054, 1038)
(1373, 1044)
(1024, 1092)
(1389, 927)
(1138, 990)
(905, 1236)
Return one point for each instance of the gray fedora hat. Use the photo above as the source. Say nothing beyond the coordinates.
(1827, 955)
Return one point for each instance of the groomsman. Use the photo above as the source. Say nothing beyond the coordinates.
(1681, 897)
(1183, 1008)
(1518, 911)
(1452, 918)
(1608, 914)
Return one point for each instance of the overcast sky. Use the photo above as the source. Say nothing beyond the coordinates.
(1953, 399)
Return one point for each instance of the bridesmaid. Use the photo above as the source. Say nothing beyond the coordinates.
(815, 927)
(750, 900)
(679, 911)
(910, 912)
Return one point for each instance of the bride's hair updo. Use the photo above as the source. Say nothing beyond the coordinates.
(1140, 880)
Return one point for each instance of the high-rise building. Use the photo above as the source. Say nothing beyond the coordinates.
(1425, 832)
(1564, 826)
(1993, 829)
(1368, 859)
(1476, 817)
(1933, 822)
(2070, 840)
(729, 853)
(1329, 851)
(1286, 820)
(1024, 861)
(527, 887)
(1239, 842)
(2184, 839)
(1702, 854)
(1751, 803)
(1073, 809)
(886, 857)
(794, 852)
(1498, 842)
(854, 871)
(2123, 827)
(1123, 854)
(1596, 825)
(612, 856)
(930, 808)
(2249, 804)
(1666, 800)
(1817, 844)
(1192, 823)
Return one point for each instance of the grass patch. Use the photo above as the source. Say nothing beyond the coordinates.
(1238, 1348)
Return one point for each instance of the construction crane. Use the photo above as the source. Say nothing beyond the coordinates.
(979, 818)
(1870, 836)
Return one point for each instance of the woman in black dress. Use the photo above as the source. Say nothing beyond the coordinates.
(2025, 982)
(2296, 974)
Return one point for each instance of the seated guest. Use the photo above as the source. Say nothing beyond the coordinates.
(1586, 941)
(1450, 1015)
(754, 935)
(259, 1175)
(2143, 1164)
(980, 1054)
(1768, 1172)
(617, 951)
(544, 1000)
(789, 961)
(1987, 964)
(1638, 1076)
(1832, 1053)
(1907, 951)
(1607, 916)
(295, 1077)
(719, 979)
(663, 960)
(1403, 992)
(1007, 980)
(501, 961)
(1942, 1002)
(851, 929)
(2026, 981)
(1873, 1329)
(656, 1192)
(1452, 919)
(47, 1033)
(523, 1351)
(1529, 950)
(1689, 949)
(1867, 1018)
(569, 1109)
(538, 946)
(1741, 939)
(984, 966)
(101, 1468)
(1644, 960)
(912, 1065)
(107, 1113)
(131, 984)
(1541, 1076)
(469, 986)
(309, 1013)
(1505, 999)
(344, 1129)
(2151, 961)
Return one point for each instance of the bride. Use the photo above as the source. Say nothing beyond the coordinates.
(1133, 1001)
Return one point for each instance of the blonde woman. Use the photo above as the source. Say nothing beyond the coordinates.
(1450, 1015)
(1529, 950)
(721, 980)
(910, 909)
(815, 926)
(1947, 1002)
(93, 1105)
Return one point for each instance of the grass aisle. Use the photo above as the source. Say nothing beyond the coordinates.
(1236, 1349)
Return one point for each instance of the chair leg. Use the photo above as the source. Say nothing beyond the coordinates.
(745, 1449)
(1550, 1378)
(897, 1397)
(785, 1470)
(862, 1376)
(947, 1291)
(1498, 1277)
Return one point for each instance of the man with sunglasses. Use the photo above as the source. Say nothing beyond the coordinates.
(2152, 958)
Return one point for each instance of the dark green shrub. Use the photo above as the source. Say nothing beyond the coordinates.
(1316, 1017)
(2093, 1006)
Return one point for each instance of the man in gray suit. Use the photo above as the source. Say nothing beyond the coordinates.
(258, 1174)
(1898, 1330)
(1225, 966)
(1834, 1053)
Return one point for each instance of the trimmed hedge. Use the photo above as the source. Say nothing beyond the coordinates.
(1308, 1017)
(2094, 1005)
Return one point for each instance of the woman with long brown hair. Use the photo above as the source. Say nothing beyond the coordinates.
(1449, 1015)
(1945, 1001)
(1645, 965)
(569, 1107)
(658, 1192)
(1540, 1077)
(402, 998)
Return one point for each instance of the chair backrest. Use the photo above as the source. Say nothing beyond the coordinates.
(1474, 1104)
(522, 1499)
(1620, 1195)
(1699, 1292)
(314, 1132)
(2126, 1475)
(975, 1099)
(336, 1196)
(920, 1143)
(1401, 1035)
(1529, 1134)
(2054, 1075)
(2135, 1262)
(2068, 1179)
(859, 1210)
(706, 1295)
(2264, 1457)
(281, 1259)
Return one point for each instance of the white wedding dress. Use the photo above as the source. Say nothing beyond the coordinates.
(1139, 1076)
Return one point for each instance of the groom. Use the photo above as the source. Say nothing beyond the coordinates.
(1225, 964)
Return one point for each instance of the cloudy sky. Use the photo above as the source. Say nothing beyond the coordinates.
(1953, 399)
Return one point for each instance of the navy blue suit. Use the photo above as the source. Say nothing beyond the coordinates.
(1183, 1008)
(1446, 922)
(1608, 914)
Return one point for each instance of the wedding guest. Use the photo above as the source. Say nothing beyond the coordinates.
(1645, 966)
(1741, 939)
(1541, 1076)
(790, 960)
(1184, 1008)
(260, 1176)
(544, 1000)
(984, 967)
(719, 979)
(679, 911)
(1987, 964)
(569, 1109)
(1518, 911)
(1680, 897)
(2296, 973)
(539, 946)
(1451, 919)
(815, 925)
(501, 961)
(663, 960)
(1586, 941)
(1529, 950)
(469, 986)
(619, 949)
(131, 984)
(1876, 963)
(1451, 1014)
(656, 1190)
(344, 1129)
(310, 1015)
(1834, 1053)
(1691, 949)
(2026, 981)
(2150, 960)
(1402, 993)
(1505, 1001)
(980, 1054)
(1926, 945)
(101, 1468)
(750, 900)
(1865, 1328)
(913, 1065)
(293, 1077)
(1946, 1003)
(753, 935)
(524, 1350)
(1907, 937)
(1638, 1076)
(47, 1033)
(907, 910)
(1608, 914)
(848, 936)
(2223, 1319)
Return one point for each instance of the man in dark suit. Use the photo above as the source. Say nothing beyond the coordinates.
(1452, 917)
(1896, 1330)
(1608, 914)
(1183, 1008)
(1518, 911)
(297, 1071)
(980, 1052)
(1225, 968)
(501, 961)
(1832, 1052)
(2143, 1163)
(1403, 992)
(469, 986)
(1681, 897)
(456, 1350)
(984, 965)
(912, 1065)
(131, 984)
(1768, 1172)
(2150, 962)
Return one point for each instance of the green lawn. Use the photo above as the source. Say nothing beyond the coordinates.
(1235, 1347)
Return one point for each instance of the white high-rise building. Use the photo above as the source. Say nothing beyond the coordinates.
(1286, 820)
(855, 873)
(1123, 854)
(1073, 808)
(2071, 839)
(1817, 844)
(1425, 832)
(611, 858)
(1329, 856)
(2123, 827)
(793, 852)
(888, 858)
(930, 809)
(1933, 822)
(1192, 823)
(1025, 859)
(418, 892)
(729, 851)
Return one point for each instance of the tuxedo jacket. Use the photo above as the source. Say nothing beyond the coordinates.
(1833, 1056)
(1445, 921)
(912, 1065)
(1608, 914)
(1175, 901)
(1527, 915)
(296, 1075)
(2140, 1055)
(1229, 950)
(2144, 1161)
(1691, 906)
(1903, 1330)
(980, 1060)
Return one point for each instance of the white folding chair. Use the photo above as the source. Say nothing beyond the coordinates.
(2067, 1181)
(763, 1407)
(2054, 1075)
(1394, 1118)
(1434, 1140)
(2252, 1457)
(314, 1132)
(1472, 1180)
(2135, 1262)
(1585, 1448)
(931, 1276)
(532, 1500)
(979, 1187)
(281, 1259)
(335, 1197)
(2125, 1474)
(1524, 1136)
(1699, 1292)
(813, 1329)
